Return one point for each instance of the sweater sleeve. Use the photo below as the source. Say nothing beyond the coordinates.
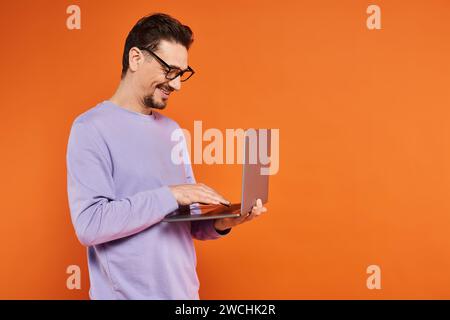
(96, 214)
(202, 229)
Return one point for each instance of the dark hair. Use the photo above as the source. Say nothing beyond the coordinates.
(150, 30)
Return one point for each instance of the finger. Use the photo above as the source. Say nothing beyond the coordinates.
(204, 194)
(204, 186)
(254, 215)
(221, 197)
(212, 193)
(257, 211)
(259, 203)
(206, 199)
(211, 197)
(260, 208)
(222, 200)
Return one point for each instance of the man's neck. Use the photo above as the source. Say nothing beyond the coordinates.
(128, 101)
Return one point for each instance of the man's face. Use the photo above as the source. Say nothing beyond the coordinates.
(152, 86)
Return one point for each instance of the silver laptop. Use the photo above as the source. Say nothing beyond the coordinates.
(254, 186)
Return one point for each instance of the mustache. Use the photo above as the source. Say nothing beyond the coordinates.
(165, 88)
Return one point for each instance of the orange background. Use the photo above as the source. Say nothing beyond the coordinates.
(364, 140)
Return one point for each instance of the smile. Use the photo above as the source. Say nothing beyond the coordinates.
(165, 93)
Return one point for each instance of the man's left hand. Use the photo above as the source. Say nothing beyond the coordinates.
(227, 223)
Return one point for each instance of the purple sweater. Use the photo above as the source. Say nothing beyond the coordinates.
(118, 170)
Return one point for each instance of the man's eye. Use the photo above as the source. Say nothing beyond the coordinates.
(174, 72)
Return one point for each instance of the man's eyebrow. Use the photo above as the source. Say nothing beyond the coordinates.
(177, 67)
(173, 66)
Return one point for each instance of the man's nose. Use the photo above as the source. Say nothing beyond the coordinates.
(175, 83)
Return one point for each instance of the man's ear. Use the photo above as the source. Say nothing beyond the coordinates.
(135, 59)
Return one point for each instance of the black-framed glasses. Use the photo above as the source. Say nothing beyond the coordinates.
(172, 72)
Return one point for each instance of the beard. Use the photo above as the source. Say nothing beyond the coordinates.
(150, 102)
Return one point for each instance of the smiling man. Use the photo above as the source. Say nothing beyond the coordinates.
(122, 183)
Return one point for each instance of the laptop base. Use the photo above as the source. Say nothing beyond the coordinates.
(219, 212)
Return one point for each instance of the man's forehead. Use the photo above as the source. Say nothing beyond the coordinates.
(174, 54)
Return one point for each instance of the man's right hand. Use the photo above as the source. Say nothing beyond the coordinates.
(187, 194)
